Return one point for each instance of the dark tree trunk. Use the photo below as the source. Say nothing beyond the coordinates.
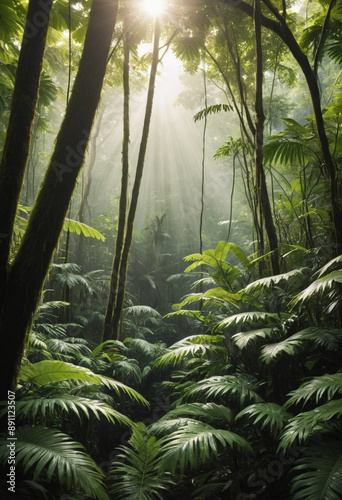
(30, 266)
(281, 28)
(117, 313)
(114, 285)
(263, 201)
(18, 137)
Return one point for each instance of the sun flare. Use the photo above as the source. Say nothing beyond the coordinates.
(153, 7)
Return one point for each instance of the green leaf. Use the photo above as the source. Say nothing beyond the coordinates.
(319, 287)
(307, 423)
(318, 472)
(284, 152)
(271, 352)
(210, 412)
(271, 281)
(215, 108)
(327, 385)
(248, 318)
(196, 444)
(243, 339)
(51, 453)
(269, 414)
(44, 372)
(74, 226)
(194, 346)
(240, 389)
(42, 407)
(136, 472)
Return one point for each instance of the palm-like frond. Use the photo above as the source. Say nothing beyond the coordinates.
(326, 385)
(305, 424)
(319, 287)
(270, 281)
(209, 412)
(196, 345)
(270, 353)
(136, 471)
(77, 227)
(249, 318)
(45, 372)
(268, 414)
(336, 262)
(329, 338)
(53, 330)
(225, 273)
(142, 348)
(109, 348)
(334, 48)
(49, 453)
(164, 427)
(284, 151)
(70, 346)
(37, 343)
(127, 369)
(239, 389)
(33, 407)
(198, 443)
(215, 295)
(243, 339)
(141, 311)
(319, 472)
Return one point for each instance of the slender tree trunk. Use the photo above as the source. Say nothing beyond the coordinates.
(18, 137)
(31, 264)
(281, 28)
(117, 313)
(263, 201)
(87, 178)
(115, 282)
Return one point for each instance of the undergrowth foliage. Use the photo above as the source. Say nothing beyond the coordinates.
(251, 407)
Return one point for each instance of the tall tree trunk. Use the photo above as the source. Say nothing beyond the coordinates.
(87, 178)
(27, 273)
(281, 28)
(18, 137)
(122, 274)
(114, 284)
(263, 201)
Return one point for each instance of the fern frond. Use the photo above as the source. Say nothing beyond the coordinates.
(136, 471)
(215, 108)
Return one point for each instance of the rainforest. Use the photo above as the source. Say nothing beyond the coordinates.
(171, 249)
